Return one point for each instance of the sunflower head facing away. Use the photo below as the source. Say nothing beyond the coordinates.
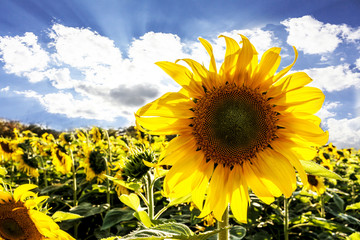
(20, 219)
(95, 163)
(241, 126)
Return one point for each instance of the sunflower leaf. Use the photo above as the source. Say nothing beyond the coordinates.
(317, 170)
(115, 216)
(60, 216)
(131, 200)
(354, 206)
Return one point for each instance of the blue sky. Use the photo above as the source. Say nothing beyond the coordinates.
(68, 64)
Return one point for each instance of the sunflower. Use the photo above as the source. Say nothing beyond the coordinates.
(21, 219)
(6, 148)
(28, 162)
(315, 184)
(61, 160)
(242, 126)
(95, 164)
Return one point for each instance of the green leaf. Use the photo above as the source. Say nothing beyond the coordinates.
(180, 200)
(354, 206)
(131, 200)
(339, 202)
(355, 236)
(237, 233)
(327, 224)
(171, 231)
(318, 170)
(143, 217)
(116, 215)
(87, 209)
(60, 216)
(129, 185)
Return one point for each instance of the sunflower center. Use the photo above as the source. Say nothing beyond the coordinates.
(6, 147)
(312, 180)
(233, 123)
(10, 229)
(97, 162)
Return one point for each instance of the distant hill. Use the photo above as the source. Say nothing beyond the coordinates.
(7, 128)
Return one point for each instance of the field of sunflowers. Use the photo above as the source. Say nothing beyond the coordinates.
(89, 184)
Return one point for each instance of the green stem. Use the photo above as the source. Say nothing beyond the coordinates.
(286, 219)
(322, 213)
(107, 170)
(75, 202)
(158, 214)
(150, 195)
(224, 235)
(44, 169)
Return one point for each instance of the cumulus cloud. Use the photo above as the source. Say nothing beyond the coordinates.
(5, 89)
(315, 37)
(357, 63)
(327, 110)
(334, 78)
(344, 133)
(23, 55)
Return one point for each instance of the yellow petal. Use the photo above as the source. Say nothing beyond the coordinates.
(231, 56)
(200, 184)
(306, 99)
(240, 196)
(247, 62)
(21, 190)
(218, 198)
(200, 73)
(172, 104)
(208, 47)
(286, 69)
(188, 149)
(179, 174)
(163, 125)
(290, 154)
(182, 76)
(289, 83)
(266, 69)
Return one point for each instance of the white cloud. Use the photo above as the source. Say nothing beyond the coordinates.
(327, 110)
(315, 37)
(344, 133)
(5, 89)
(357, 63)
(83, 48)
(334, 78)
(22, 55)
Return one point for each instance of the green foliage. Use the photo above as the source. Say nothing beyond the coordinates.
(118, 204)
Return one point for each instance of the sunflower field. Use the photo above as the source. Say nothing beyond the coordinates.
(87, 184)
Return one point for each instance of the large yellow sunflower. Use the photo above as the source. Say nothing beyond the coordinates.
(20, 220)
(242, 126)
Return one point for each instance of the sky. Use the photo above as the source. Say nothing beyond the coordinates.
(70, 64)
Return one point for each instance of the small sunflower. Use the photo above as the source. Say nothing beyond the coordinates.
(6, 149)
(242, 126)
(20, 219)
(61, 160)
(95, 164)
(27, 162)
(315, 184)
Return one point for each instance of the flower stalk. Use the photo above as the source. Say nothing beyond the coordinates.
(224, 223)
(286, 218)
